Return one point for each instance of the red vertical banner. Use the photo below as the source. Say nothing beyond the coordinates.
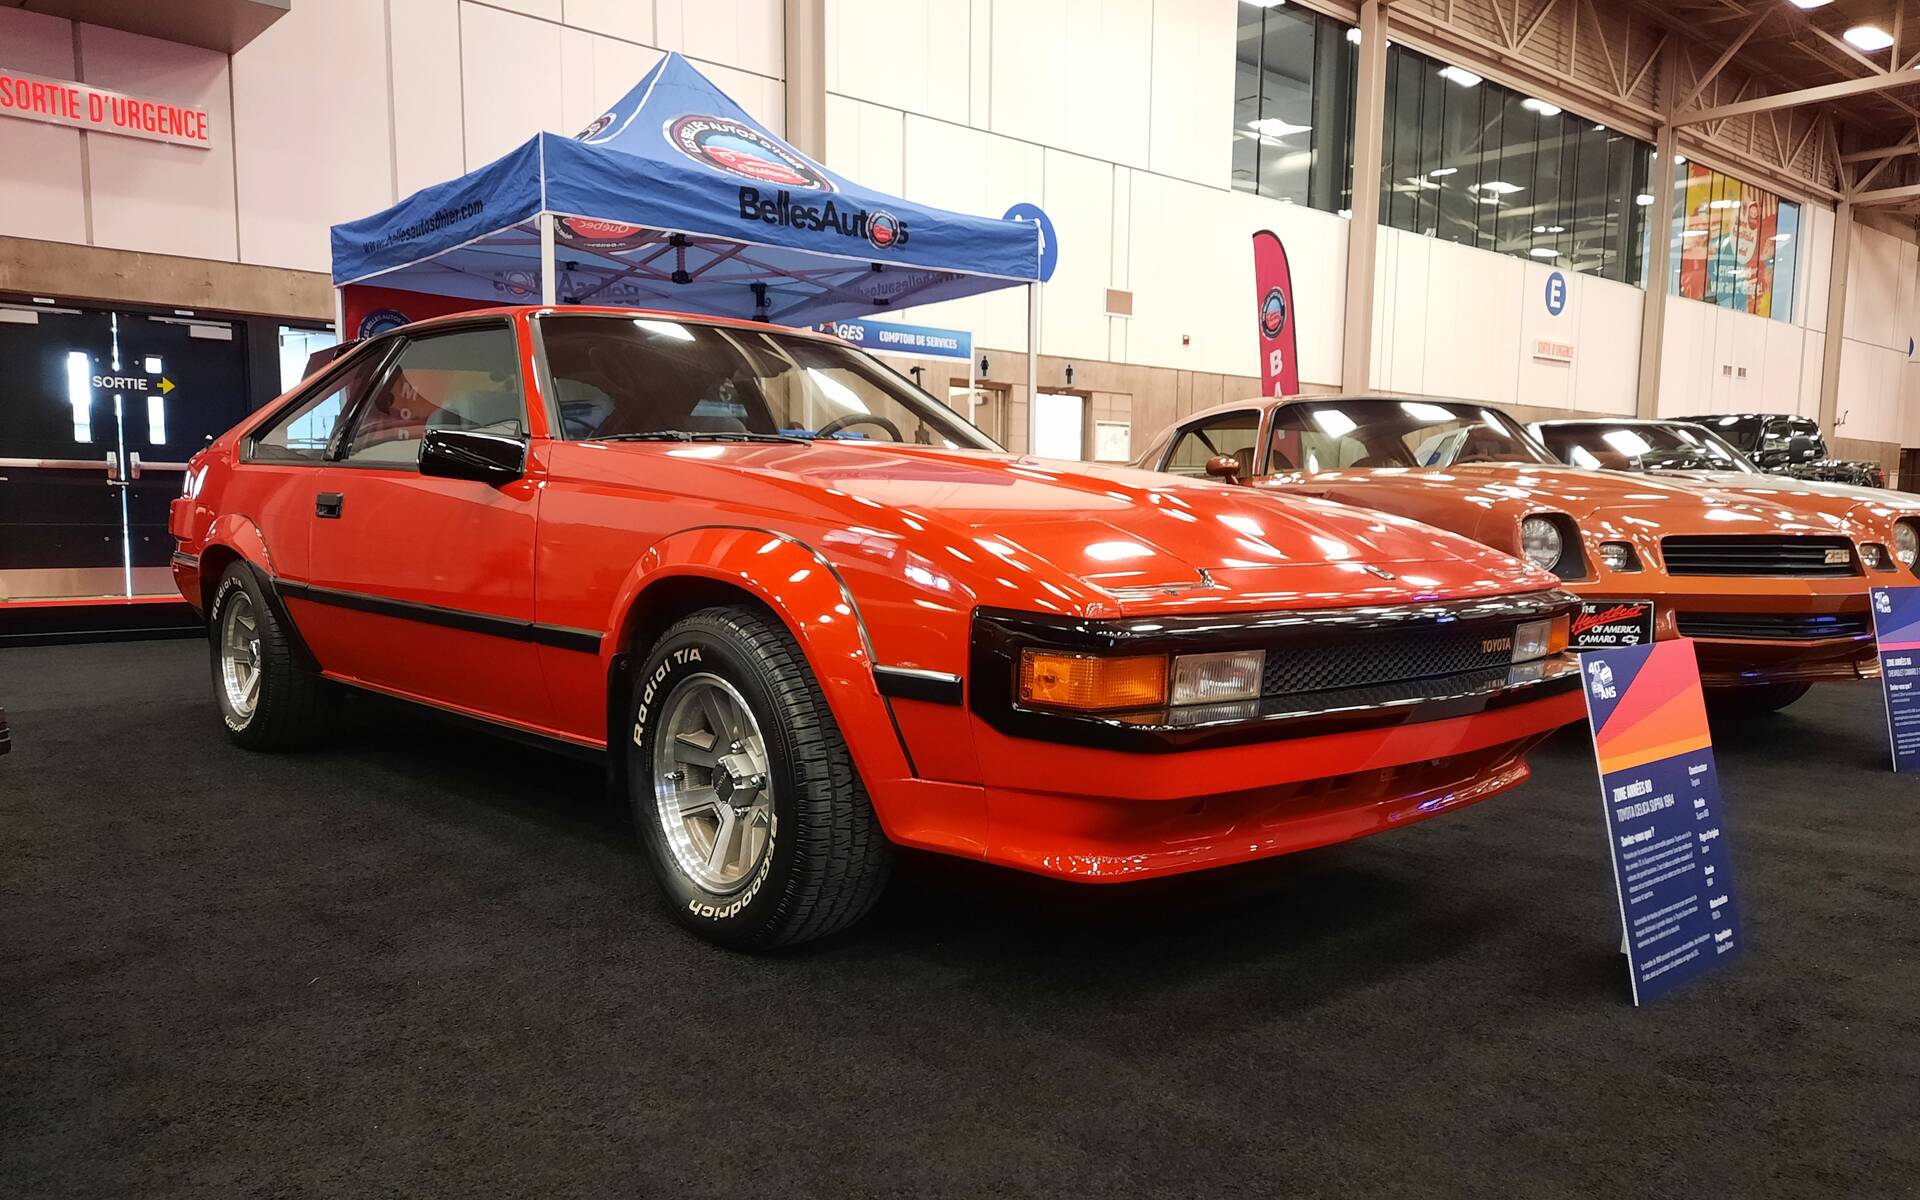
(1273, 290)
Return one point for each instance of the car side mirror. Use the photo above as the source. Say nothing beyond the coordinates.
(464, 454)
(1223, 466)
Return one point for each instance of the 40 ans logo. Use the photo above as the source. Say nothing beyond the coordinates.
(1273, 313)
(1600, 681)
(738, 149)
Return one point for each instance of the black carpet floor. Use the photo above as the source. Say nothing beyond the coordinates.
(425, 962)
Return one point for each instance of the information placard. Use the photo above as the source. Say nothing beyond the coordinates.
(1896, 626)
(1662, 802)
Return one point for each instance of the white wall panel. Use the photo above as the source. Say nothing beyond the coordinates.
(867, 143)
(296, 175)
(152, 195)
(40, 183)
(1543, 383)
(747, 35)
(1078, 195)
(429, 139)
(1192, 101)
(1870, 387)
(1685, 374)
(1073, 74)
(1607, 355)
(1401, 319)
(1874, 278)
(510, 68)
(1812, 362)
(631, 20)
(866, 40)
(598, 71)
(1781, 372)
(548, 9)
(1475, 297)
(1191, 273)
(1816, 265)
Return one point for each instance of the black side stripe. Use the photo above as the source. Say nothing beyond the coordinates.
(560, 636)
(908, 683)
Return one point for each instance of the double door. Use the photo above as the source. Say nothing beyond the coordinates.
(99, 412)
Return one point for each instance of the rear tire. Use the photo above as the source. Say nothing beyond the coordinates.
(268, 698)
(755, 822)
(1754, 701)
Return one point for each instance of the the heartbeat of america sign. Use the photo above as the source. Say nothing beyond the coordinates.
(83, 106)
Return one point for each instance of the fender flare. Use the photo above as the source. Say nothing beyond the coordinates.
(809, 596)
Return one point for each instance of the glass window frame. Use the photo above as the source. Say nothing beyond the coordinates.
(343, 437)
(1220, 420)
(379, 352)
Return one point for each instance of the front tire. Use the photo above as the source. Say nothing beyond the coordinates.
(755, 821)
(268, 698)
(1755, 701)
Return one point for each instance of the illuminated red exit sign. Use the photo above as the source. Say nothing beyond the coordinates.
(83, 106)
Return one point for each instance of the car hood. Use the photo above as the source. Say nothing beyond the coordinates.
(1138, 538)
(1748, 483)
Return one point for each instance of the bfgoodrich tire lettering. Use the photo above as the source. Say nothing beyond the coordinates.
(807, 856)
(267, 698)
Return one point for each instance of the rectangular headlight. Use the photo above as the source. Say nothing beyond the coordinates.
(1092, 682)
(1535, 639)
(1218, 678)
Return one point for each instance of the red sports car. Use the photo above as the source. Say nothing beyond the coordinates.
(814, 614)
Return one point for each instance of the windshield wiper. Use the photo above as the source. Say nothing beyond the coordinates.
(704, 435)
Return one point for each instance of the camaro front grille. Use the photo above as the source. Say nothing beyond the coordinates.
(1371, 659)
(1773, 627)
(1759, 555)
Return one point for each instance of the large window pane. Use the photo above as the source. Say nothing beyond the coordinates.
(1292, 106)
(1786, 259)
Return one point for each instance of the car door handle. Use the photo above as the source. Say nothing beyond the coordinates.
(328, 504)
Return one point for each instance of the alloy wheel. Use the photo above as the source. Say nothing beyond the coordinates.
(711, 790)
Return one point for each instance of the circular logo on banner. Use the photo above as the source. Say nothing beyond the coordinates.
(1273, 313)
(599, 126)
(1556, 294)
(590, 234)
(742, 151)
(1049, 245)
(379, 321)
(883, 229)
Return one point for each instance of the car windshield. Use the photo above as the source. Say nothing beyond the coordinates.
(1333, 434)
(1620, 446)
(659, 378)
(1764, 434)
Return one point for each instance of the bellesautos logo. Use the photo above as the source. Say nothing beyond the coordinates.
(881, 229)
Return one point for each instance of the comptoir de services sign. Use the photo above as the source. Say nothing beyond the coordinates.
(83, 106)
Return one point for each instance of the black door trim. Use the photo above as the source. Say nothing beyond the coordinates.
(586, 641)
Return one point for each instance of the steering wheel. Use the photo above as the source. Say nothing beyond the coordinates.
(838, 423)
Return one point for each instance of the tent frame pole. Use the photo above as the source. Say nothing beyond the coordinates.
(548, 285)
(1033, 366)
(340, 314)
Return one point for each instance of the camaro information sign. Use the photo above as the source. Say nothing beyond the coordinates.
(1606, 624)
(1662, 802)
(1896, 625)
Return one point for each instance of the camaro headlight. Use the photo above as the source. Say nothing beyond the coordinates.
(1114, 683)
(1540, 542)
(1875, 556)
(1619, 556)
(1217, 678)
(1906, 543)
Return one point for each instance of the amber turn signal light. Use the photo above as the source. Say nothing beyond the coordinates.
(1561, 634)
(1092, 682)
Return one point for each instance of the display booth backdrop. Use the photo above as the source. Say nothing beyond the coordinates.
(677, 199)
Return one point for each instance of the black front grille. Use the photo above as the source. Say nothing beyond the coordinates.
(1758, 555)
(1773, 627)
(1386, 657)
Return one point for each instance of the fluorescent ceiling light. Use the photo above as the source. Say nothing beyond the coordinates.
(1544, 252)
(1274, 127)
(1272, 3)
(1869, 37)
(1442, 172)
(1679, 160)
(1599, 128)
(1782, 237)
(1541, 107)
(1463, 78)
(1810, 3)
(1643, 200)
(1500, 187)
(1723, 204)
(1693, 233)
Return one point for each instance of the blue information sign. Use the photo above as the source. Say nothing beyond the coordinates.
(1896, 625)
(920, 341)
(1556, 294)
(1662, 802)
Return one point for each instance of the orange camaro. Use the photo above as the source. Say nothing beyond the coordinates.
(813, 613)
(1771, 585)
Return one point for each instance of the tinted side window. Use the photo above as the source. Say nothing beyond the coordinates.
(303, 432)
(1234, 434)
(463, 379)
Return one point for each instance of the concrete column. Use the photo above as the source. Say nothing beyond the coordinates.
(807, 76)
(1653, 308)
(1836, 315)
(1363, 231)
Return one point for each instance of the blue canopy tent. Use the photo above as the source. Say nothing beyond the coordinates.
(677, 199)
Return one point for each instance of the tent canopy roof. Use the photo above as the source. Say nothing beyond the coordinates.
(677, 199)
